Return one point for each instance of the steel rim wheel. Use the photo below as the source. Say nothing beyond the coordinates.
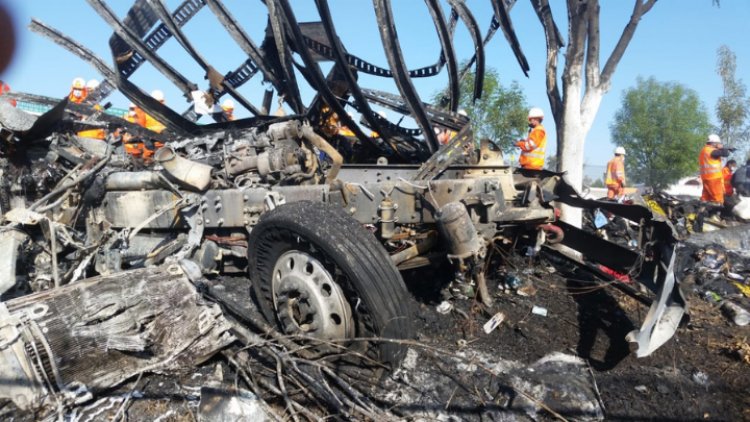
(307, 299)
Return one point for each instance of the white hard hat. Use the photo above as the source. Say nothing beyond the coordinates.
(228, 104)
(620, 151)
(462, 112)
(713, 139)
(92, 84)
(157, 95)
(536, 112)
(383, 114)
(78, 83)
(131, 105)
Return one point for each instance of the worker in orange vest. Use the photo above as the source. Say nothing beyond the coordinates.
(709, 161)
(78, 92)
(727, 172)
(151, 123)
(615, 179)
(228, 108)
(533, 148)
(6, 88)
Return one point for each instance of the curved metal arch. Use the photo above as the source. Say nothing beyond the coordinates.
(448, 53)
(395, 57)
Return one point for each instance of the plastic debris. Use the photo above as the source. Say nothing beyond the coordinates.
(736, 313)
(538, 310)
(600, 220)
(493, 322)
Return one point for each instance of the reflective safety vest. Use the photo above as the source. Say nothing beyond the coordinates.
(78, 100)
(615, 171)
(710, 167)
(727, 174)
(533, 149)
(138, 117)
(154, 125)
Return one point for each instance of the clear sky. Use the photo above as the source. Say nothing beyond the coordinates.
(676, 41)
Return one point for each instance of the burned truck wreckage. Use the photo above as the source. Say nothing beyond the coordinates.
(320, 227)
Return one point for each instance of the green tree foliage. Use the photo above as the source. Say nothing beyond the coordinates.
(733, 107)
(663, 126)
(499, 115)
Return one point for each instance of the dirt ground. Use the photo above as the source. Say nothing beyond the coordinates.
(703, 373)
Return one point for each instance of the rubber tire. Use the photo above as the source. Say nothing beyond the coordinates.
(339, 241)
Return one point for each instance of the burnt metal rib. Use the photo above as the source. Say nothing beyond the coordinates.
(316, 75)
(217, 82)
(243, 40)
(471, 25)
(501, 13)
(448, 53)
(400, 74)
(182, 14)
(288, 80)
(340, 57)
(453, 121)
(173, 121)
(135, 42)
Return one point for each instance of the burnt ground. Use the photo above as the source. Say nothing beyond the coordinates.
(703, 373)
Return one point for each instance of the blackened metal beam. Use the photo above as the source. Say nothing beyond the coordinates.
(243, 40)
(395, 57)
(471, 24)
(135, 42)
(174, 122)
(503, 18)
(448, 53)
(216, 80)
(340, 56)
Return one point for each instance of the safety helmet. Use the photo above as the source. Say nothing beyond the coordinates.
(157, 95)
(383, 114)
(536, 112)
(462, 112)
(92, 84)
(78, 83)
(713, 139)
(620, 151)
(227, 105)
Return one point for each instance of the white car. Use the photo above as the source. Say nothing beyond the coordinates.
(686, 187)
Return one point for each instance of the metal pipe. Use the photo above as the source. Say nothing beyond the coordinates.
(133, 180)
(318, 141)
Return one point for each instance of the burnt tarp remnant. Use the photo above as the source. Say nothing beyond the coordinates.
(65, 345)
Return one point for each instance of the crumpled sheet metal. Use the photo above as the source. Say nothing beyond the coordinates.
(669, 306)
(65, 345)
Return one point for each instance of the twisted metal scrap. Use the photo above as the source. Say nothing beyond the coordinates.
(148, 25)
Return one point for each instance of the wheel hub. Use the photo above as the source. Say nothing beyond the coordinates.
(307, 300)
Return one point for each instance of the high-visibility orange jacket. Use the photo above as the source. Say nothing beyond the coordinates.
(345, 131)
(154, 125)
(6, 88)
(710, 167)
(533, 149)
(139, 117)
(78, 100)
(615, 171)
(726, 172)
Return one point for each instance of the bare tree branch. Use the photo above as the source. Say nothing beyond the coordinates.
(574, 53)
(639, 9)
(554, 43)
(592, 53)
